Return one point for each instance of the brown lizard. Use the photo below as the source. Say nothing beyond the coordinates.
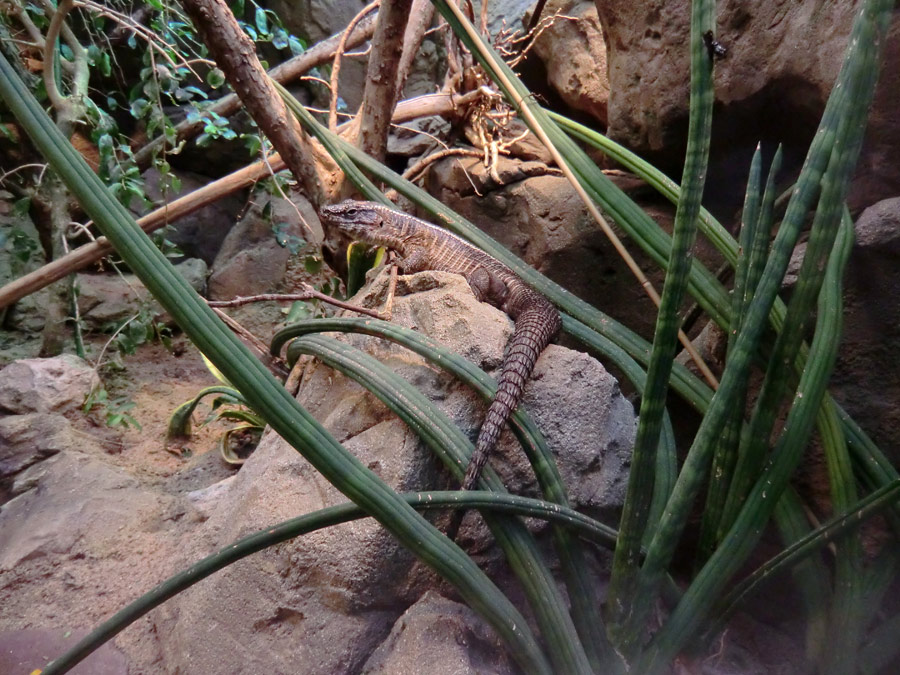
(423, 246)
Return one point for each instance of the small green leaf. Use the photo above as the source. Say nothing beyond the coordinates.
(261, 20)
(312, 264)
(297, 45)
(215, 78)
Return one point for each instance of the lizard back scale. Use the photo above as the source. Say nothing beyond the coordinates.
(423, 246)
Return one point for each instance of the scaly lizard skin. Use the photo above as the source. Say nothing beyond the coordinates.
(423, 246)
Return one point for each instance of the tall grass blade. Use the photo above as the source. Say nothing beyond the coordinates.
(868, 507)
(811, 575)
(848, 608)
(726, 452)
(837, 138)
(696, 604)
(627, 609)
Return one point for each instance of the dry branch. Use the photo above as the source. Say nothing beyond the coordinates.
(235, 54)
(431, 104)
(381, 78)
(420, 18)
(342, 46)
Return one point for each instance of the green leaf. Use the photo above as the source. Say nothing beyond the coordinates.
(215, 78)
(261, 20)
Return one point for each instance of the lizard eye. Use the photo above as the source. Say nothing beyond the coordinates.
(352, 211)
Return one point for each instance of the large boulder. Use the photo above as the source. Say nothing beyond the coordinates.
(437, 635)
(200, 233)
(106, 301)
(254, 256)
(53, 385)
(28, 439)
(79, 540)
(866, 379)
(323, 603)
(573, 52)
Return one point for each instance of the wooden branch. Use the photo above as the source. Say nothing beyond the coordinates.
(97, 250)
(381, 78)
(235, 54)
(288, 71)
(420, 18)
(338, 58)
(57, 99)
(309, 293)
(431, 104)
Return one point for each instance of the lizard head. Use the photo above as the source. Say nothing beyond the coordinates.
(358, 220)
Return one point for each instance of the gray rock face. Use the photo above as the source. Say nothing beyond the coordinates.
(79, 541)
(437, 635)
(574, 54)
(27, 439)
(53, 385)
(866, 379)
(201, 233)
(26, 651)
(323, 603)
(251, 261)
(105, 300)
(781, 63)
(60, 503)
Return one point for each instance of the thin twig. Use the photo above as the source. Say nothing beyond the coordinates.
(336, 64)
(309, 293)
(57, 99)
(9, 173)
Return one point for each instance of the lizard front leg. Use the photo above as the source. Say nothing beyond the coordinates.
(414, 261)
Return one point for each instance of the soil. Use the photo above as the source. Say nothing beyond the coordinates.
(157, 380)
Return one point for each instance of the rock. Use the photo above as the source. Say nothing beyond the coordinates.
(541, 219)
(60, 501)
(781, 63)
(54, 385)
(28, 439)
(324, 602)
(199, 234)
(574, 55)
(105, 301)
(418, 136)
(437, 635)
(251, 260)
(340, 589)
(80, 541)
(866, 378)
(20, 254)
(29, 650)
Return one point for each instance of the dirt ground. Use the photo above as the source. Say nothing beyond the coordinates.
(157, 381)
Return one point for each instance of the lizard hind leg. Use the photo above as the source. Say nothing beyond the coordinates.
(487, 287)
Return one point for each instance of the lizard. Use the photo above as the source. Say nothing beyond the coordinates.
(423, 246)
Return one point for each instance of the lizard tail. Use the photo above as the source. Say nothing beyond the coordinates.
(534, 330)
